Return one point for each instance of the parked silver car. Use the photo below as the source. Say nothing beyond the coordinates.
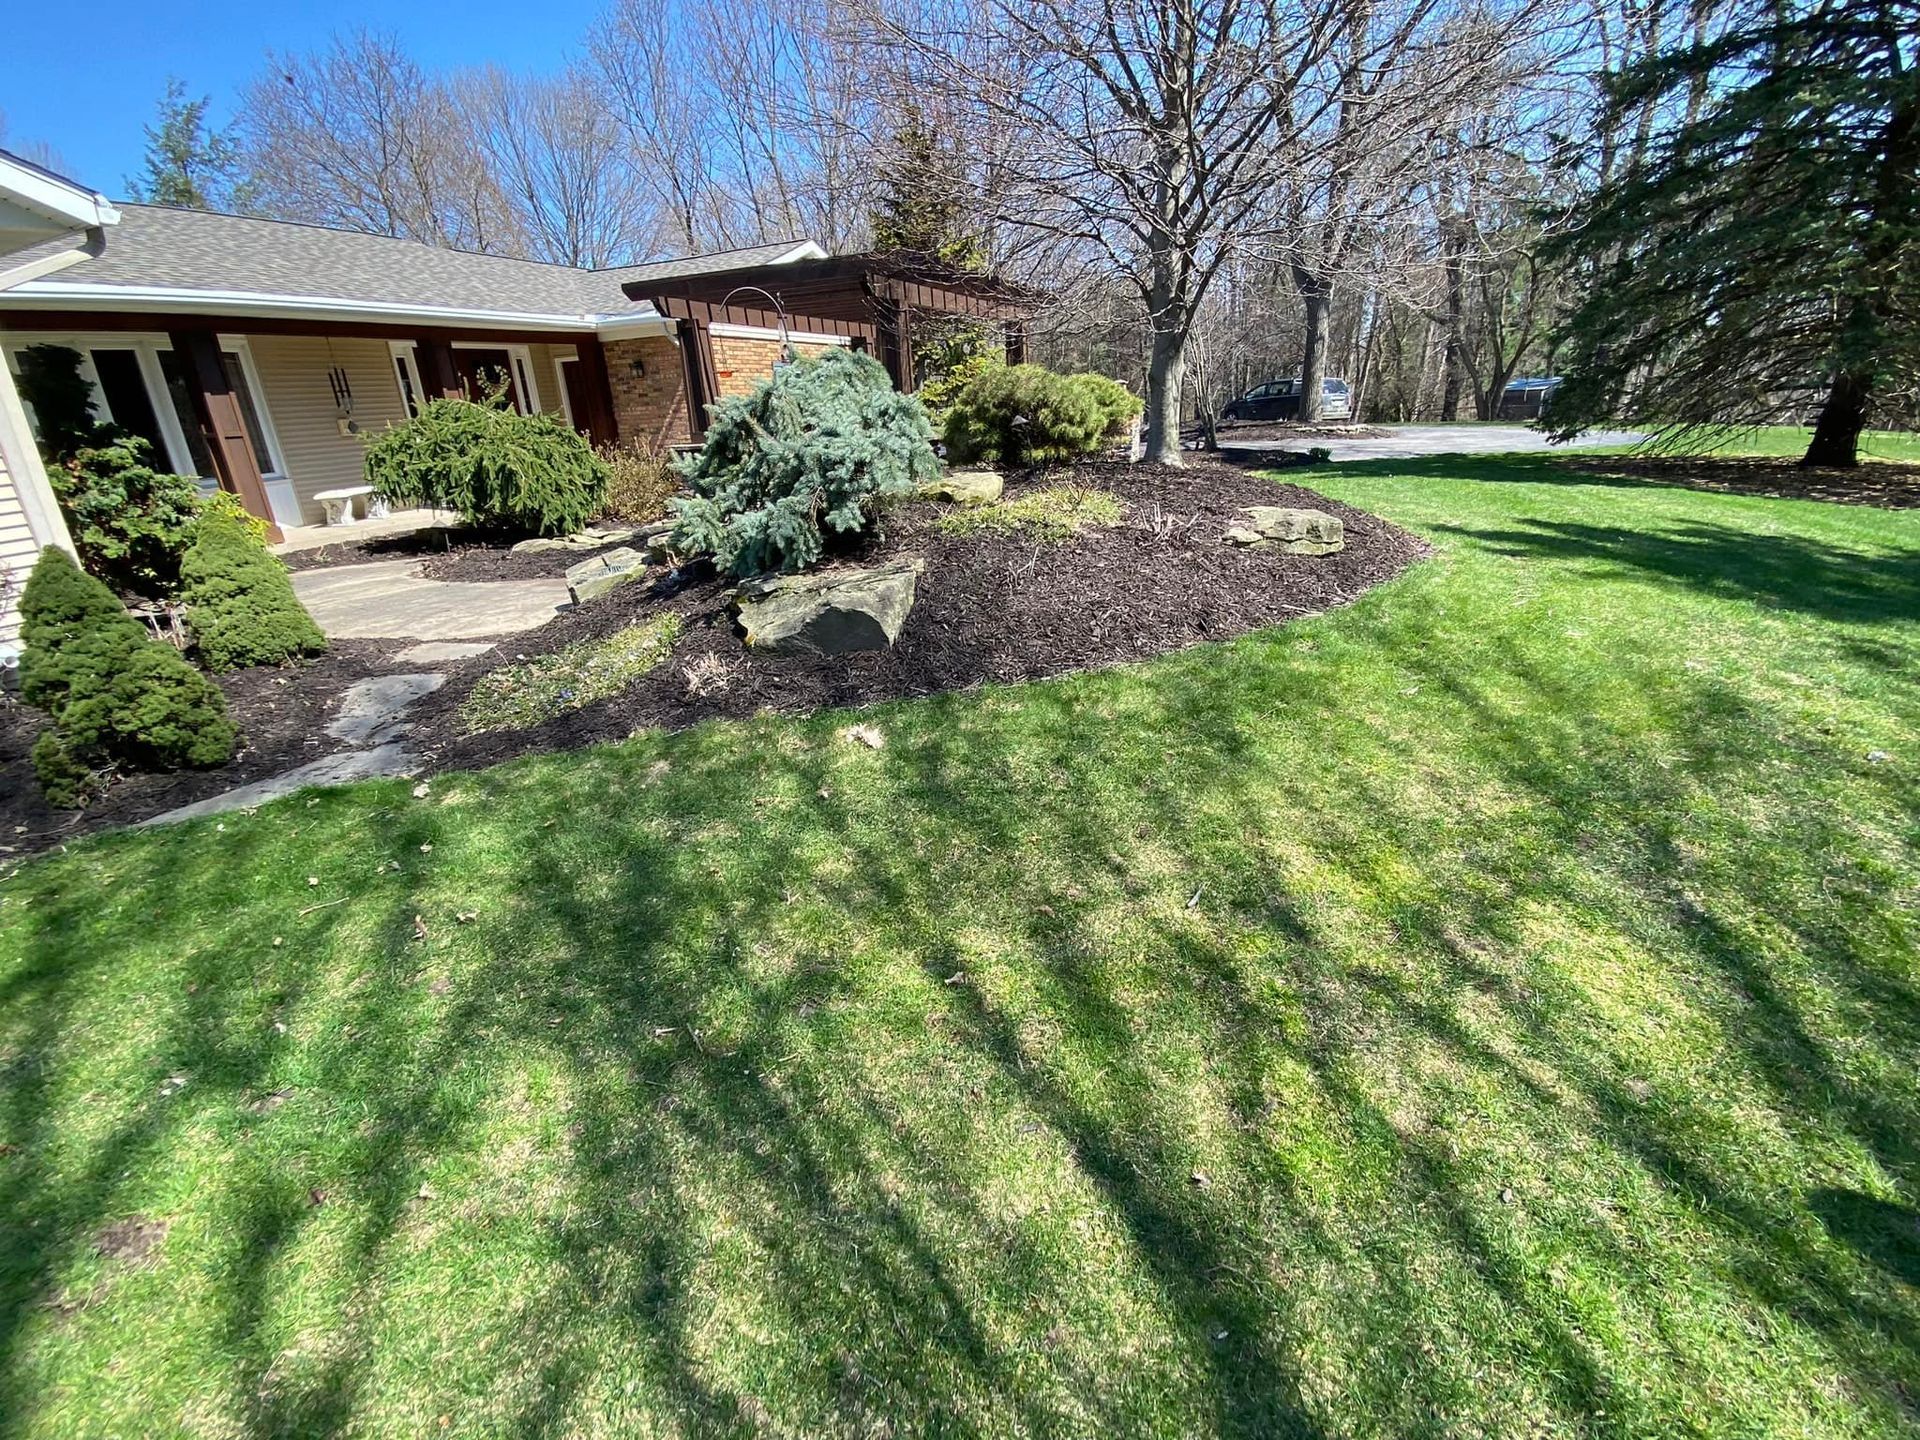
(1280, 400)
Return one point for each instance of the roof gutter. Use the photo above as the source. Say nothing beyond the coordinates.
(161, 299)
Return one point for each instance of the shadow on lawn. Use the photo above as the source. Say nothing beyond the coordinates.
(1791, 572)
(885, 1289)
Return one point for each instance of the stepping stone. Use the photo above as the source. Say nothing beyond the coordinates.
(592, 538)
(966, 487)
(601, 575)
(393, 758)
(371, 709)
(440, 652)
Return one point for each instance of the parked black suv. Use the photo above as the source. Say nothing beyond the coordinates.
(1280, 400)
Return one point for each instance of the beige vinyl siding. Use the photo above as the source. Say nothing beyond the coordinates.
(18, 551)
(546, 379)
(293, 375)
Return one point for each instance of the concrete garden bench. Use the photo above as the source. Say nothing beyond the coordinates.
(339, 504)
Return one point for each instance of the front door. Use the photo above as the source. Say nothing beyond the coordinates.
(482, 371)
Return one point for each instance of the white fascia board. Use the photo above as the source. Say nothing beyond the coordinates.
(633, 327)
(11, 275)
(805, 250)
(137, 299)
(61, 201)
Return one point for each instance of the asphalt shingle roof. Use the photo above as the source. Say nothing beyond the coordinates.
(200, 250)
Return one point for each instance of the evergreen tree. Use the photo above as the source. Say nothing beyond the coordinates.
(116, 696)
(240, 604)
(923, 207)
(1762, 262)
(189, 164)
(823, 445)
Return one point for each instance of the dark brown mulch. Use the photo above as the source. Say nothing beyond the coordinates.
(991, 606)
(1887, 484)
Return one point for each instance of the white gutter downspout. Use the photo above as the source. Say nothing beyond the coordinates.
(86, 245)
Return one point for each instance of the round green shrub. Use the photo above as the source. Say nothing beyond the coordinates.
(1028, 415)
(532, 474)
(821, 446)
(130, 522)
(240, 604)
(116, 697)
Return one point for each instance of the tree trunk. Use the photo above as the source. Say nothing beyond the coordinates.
(1315, 296)
(1836, 436)
(1455, 363)
(1165, 371)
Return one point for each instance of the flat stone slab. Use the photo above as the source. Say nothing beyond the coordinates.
(603, 574)
(439, 652)
(966, 487)
(371, 710)
(594, 537)
(393, 758)
(1290, 531)
(386, 600)
(832, 612)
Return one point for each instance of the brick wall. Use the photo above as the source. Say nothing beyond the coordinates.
(652, 406)
(743, 363)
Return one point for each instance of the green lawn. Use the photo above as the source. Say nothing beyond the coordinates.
(1489, 1010)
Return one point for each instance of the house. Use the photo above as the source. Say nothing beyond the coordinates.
(257, 354)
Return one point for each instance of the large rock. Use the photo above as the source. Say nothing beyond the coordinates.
(592, 578)
(830, 613)
(1289, 531)
(965, 487)
(594, 537)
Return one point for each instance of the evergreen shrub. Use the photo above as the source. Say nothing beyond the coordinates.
(130, 522)
(116, 697)
(822, 446)
(1028, 415)
(240, 604)
(531, 474)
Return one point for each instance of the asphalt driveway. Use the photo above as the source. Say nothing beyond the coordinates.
(1408, 442)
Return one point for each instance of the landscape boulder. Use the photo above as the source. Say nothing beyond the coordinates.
(600, 574)
(1289, 531)
(965, 487)
(833, 612)
(594, 537)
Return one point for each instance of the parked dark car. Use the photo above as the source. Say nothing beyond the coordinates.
(1280, 400)
(1526, 397)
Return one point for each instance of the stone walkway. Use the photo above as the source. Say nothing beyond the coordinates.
(371, 723)
(386, 600)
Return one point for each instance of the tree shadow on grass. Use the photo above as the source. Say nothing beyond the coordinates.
(1098, 1056)
(1781, 571)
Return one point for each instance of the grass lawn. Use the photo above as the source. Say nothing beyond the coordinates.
(1488, 1010)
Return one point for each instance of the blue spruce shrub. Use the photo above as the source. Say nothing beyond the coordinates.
(822, 446)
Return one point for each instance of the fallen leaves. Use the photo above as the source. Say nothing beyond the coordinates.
(865, 735)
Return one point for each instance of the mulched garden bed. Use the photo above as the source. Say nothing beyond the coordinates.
(991, 606)
(1883, 483)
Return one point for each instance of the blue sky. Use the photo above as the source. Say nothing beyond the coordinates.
(84, 77)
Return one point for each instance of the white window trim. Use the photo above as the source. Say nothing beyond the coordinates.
(147, 348)
(522, 359)
(560, 362)
(403, 355)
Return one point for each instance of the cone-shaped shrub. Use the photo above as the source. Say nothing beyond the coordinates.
(821, 446)
(240, 603)
(116, 696)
